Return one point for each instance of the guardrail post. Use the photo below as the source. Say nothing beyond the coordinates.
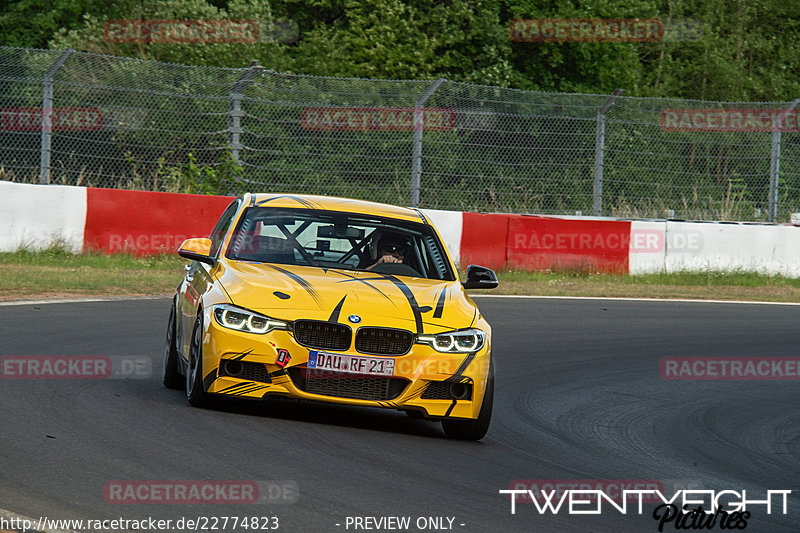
(775, 161)
(416, 155)
(599, 152)
(235, 113)
(47, 115)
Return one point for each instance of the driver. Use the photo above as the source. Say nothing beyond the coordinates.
(391, 249)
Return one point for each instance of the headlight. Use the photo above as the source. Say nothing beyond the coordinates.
(465, 340)
(240, 319)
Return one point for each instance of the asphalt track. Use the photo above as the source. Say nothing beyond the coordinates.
(579, 395)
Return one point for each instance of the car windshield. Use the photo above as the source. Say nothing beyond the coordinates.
(329, 239)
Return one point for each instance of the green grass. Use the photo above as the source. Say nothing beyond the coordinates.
(687, 279)
(57, 272)
(57, 256)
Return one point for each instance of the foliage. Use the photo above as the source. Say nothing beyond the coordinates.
(745, 49)
(221, 179)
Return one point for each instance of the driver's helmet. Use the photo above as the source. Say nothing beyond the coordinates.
(391, 242)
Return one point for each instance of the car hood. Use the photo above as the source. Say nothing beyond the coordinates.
(288, 292)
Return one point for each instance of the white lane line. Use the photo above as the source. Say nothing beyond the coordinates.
(524, 296)
(82, 300)
(611, 298)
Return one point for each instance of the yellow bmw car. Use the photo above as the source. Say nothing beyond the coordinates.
(334, 300)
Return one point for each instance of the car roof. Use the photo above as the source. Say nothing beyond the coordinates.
(333, 203)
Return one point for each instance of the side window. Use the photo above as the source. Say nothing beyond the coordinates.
(219, 231)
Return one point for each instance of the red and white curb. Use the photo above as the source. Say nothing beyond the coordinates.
(142, 222)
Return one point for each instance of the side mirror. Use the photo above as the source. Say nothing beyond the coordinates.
(479, 277)
(197, 250)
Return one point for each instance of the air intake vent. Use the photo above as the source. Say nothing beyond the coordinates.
(322, 335)
(383, 341)
(341, 385)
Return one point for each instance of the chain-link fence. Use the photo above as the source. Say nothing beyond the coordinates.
(83, 119)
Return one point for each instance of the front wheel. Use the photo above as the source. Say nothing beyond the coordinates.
(474, 429)
(194, 371)
(172, 378)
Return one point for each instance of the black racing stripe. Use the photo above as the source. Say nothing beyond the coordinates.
(376, 277)
(209, 379)
(417, 392)
(302, 201)
(242, 355)
(300, 281)
(366, 281)
(411, 300)
(335, 315)
(421, 215)
(464, 364)
(440, 304)
(234, 387)
(254, 388)
(279, 372)
(450, 409)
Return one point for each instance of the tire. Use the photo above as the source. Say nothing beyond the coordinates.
(474, 429)
(172, 377)
(194, 371)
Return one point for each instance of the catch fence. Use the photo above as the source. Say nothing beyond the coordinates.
(76, 118)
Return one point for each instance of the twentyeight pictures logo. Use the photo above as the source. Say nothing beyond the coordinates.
(596, 501)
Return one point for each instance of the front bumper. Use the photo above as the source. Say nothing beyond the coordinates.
(423, 379)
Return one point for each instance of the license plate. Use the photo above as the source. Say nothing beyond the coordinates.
(351, 364)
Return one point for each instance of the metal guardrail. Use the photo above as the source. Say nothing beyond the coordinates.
(75, 118)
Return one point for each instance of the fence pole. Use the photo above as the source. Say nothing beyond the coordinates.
(775, 161)
(599, 152)
(47, 115)
(235, 113)
(416, 155)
